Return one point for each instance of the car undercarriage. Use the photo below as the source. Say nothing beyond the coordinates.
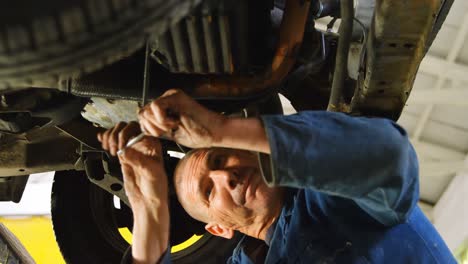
(69, 70)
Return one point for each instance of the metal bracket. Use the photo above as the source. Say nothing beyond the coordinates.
(99, 172)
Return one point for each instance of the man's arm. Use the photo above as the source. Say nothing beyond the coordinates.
(368, 160)
(150, 234)
(246, 134)
(146, 186)
(176, 116)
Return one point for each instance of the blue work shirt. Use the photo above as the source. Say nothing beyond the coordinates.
(353, 192)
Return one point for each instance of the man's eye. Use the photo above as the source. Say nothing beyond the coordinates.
(218, 162)
(208, 192)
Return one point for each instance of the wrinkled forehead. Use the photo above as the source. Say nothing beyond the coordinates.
(189, 174)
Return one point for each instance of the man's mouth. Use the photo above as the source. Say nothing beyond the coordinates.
(246, 189)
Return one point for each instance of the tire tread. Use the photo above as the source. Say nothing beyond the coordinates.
(106, 31)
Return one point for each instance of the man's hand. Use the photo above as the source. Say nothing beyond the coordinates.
(146, 186)
(145, 180)
(177, 116)
(117, 137)
(145, 183)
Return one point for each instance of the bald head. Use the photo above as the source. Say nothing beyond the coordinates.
(187, 199)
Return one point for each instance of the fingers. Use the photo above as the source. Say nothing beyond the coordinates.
(151, 129)
(145, 180)
(171, 92)
(131, 158)
(106, 137)
(141, 160)
(117, 137)
(113, 139)
(162, 115)
(166, 111)
(129, 131)
(178, 117)
(158, 120)
(161, 118)
(150, 146)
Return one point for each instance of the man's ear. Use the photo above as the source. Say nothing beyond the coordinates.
(218, 230)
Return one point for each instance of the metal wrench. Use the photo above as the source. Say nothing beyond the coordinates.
(146, 79)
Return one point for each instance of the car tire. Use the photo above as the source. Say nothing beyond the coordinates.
(84, 221)
(42, 42)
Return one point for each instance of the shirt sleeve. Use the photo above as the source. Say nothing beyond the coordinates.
(368, 160)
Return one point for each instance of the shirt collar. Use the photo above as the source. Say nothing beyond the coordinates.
(270, 232)
(286, 211)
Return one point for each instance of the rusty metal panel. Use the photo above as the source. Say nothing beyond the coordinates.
(107, 113)
(395, 48)
(48, 150)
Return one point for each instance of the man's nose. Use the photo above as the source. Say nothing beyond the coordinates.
(226, 178)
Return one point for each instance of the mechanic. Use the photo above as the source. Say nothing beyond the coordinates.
(329, 188)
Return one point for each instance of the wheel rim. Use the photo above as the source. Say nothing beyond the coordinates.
(114, 221)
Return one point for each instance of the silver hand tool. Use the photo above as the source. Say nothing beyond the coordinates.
(137, 139)
(146, 79)
(130, 143)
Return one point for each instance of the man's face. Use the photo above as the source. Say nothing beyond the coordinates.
(224, 187)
